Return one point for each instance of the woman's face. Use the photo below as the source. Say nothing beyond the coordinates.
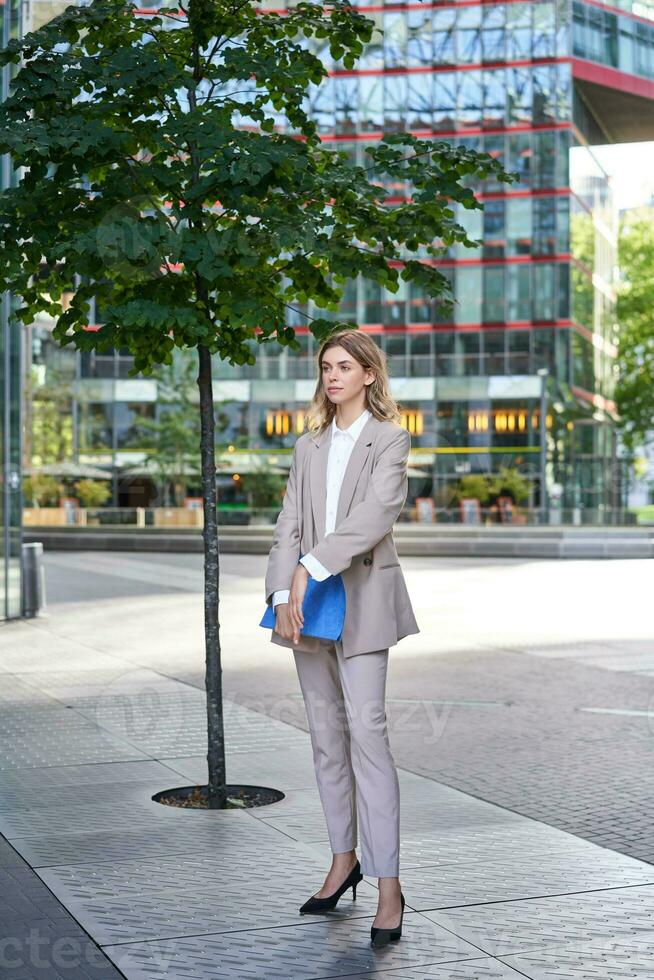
(343, 378)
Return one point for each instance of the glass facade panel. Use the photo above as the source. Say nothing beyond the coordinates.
(468, 35)
(518, 29)
(518, 344)
(519, 225)
(494, 294)
(544, 291)
(493, 344)
(419, 38)
(494, 33)
(467, 348)
(469, 293)
(612, 39)
(519, 293)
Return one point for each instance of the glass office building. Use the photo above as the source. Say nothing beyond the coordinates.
(10, 433)
(536, 85)
(530, 345)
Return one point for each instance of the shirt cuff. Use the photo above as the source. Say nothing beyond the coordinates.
(281, 595)
(315, 568)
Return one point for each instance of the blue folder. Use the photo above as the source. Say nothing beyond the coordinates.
(323, 609)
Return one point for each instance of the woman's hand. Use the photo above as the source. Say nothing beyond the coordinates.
(289, 616)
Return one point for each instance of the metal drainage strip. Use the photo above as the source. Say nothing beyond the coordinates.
(464, 704)
(634, 712)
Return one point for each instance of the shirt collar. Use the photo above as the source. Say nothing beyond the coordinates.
(353, 430)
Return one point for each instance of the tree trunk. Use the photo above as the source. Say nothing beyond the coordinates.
(213, 677)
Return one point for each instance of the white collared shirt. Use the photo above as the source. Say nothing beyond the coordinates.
(341, 446)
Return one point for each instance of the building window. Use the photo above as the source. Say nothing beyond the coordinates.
(493, 341)
(468, 294)
(519, 293)
(282, 422)
(413, 421)
(544, 291)
(518, 351)
(494, 294)
(419, 37)
(95, 426)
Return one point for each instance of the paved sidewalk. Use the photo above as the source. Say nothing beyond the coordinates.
(155, 892)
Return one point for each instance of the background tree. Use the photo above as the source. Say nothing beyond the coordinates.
(49, 422)
(473, 485)
(92, 493)
(582, 244)
(635, 385)
(263, 488)
(172, 171)
(42, 490)
(173, 438)
(509, 482)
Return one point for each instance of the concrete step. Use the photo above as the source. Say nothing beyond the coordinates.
(514, 542)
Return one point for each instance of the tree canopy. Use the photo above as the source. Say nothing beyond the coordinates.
(635, 385)
(172, 171)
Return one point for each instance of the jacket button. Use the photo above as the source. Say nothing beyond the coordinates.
(367, 561)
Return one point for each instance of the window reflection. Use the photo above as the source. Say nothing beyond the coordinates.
(518, 30)
(395, 39)
(395, 100)
(419, 37)
(346, 92)
(519, 101)
(494, 34)
(611, 39)
(419, 102)
(444, 100)
(469, 35)
(444, 35)
(470, 99)
(371, 94)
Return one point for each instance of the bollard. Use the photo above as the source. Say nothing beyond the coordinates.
(33, 590)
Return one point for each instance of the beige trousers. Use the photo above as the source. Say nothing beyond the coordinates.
(355, 770)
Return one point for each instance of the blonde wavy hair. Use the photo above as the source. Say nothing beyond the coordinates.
(379, 400)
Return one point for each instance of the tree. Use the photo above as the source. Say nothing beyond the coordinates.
(42, 490)
(172, 438)
(172, 171)
(509, 482)
(92, 493)
(473, 485)
(264, 489)
(635, 384)
(49, 428)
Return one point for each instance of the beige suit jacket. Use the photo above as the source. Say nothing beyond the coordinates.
(361, 548)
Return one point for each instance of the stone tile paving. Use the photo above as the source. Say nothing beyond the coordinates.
(559, 741)
(156, 892)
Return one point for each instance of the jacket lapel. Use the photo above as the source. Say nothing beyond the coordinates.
(318, 478)
(318, 473)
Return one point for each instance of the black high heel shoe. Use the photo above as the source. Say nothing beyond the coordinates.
(379, 936)
(329, 902)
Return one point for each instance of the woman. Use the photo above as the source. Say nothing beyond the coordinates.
(346, 488)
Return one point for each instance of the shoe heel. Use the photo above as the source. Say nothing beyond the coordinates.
(354, 892)
(328, 903)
